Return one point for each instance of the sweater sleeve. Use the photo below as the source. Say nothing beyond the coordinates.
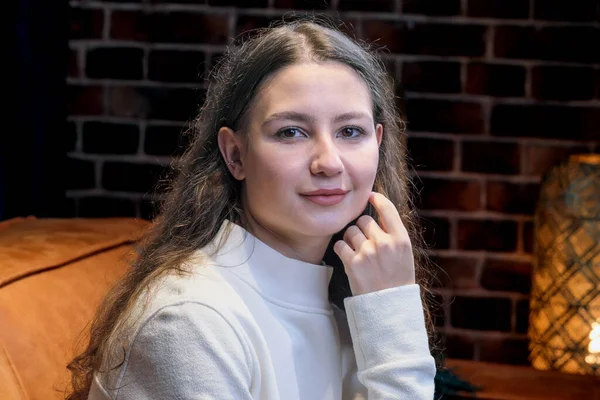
(186, 351)
(391, 345)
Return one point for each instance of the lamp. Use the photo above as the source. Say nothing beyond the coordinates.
(564, 319)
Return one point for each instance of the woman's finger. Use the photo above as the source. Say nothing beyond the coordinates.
(369, 227)
(354, 237)
(344, 252)
(389, 219)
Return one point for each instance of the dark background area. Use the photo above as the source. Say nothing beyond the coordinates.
(495, 92)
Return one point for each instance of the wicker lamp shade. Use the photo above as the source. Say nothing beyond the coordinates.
(564, 319)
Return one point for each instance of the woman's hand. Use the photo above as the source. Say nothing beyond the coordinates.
(377, 257)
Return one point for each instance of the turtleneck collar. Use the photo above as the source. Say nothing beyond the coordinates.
(276, 276)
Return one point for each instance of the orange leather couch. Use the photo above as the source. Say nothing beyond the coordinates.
(53, 275)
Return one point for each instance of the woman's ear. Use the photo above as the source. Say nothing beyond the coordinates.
(379, 133)
(230, 145)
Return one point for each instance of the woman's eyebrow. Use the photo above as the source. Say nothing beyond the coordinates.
(297, 116)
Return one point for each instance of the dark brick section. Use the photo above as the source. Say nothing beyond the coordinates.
(85, 100)
(522, 316)
(246, 23)
(539, 158)
(303, 4)
(495, 79)
(114, 63)
(512, 198)
(422, 38)
(559, 10)
(455, 272)
(71, 133)
(74, 70)
(562, 83)
(108, 138)
(81, 174)
(165, 140)
(437, 311)
(442, 194)
(488, 235)
(129, 177)
(546, 121)
(371, 6)
(431, 154)
(569, 43)
(435, 77)
(436, 232)
(504, 351)
(459, 347)
(513, 9)
(431, 7)
(106, 207)
(239, 3)
(85, 23)
(170, 27)
(171, 104)
(452, 116)
(175, 66)
(506, 275)
(493, 314)
(528, 234)
(490, 157)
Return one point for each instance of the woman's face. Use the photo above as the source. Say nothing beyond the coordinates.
(310, 127)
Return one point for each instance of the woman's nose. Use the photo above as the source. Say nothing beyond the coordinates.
(326, 158)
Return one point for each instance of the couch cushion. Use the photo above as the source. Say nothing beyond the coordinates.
(31, 245)
(11, 387)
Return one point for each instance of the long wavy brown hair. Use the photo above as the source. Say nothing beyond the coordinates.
(201, 193)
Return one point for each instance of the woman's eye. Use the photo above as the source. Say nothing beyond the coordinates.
(288, 133)
(351, 132)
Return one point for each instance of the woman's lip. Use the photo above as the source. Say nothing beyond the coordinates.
(326, 200)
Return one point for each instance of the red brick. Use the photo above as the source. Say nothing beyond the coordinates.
(558, 10)
(546, 121)
(540, 157)
(431, 76)
(431, 7)
(81, 174)
(180, 27)
(513, 9)
(436, 232)
(431, 154)
(506, 275)
(522, 316)
(481, 313)
(491, 158)
(165, 140)
(504, 351)
(441, 194)
(175, 66)
(451, 116)
(528, 233)
(115, 63)
(562, 83)
(455, 272)
(371, 6)
(488, 235)
(85, 100)
(171, 104)
(566, 43)
(495, 79)
(303, 4)
(245, 23)
(461, 347)
(85, 23)
(423, 38)
(129, 25)
(512, 198)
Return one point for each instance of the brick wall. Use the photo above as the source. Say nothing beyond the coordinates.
(495, 92)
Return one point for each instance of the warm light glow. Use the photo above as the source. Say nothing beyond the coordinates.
(593, 357)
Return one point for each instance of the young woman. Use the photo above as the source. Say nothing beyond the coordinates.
(286, 262)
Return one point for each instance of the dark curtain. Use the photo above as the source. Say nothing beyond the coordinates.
(33, 139)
